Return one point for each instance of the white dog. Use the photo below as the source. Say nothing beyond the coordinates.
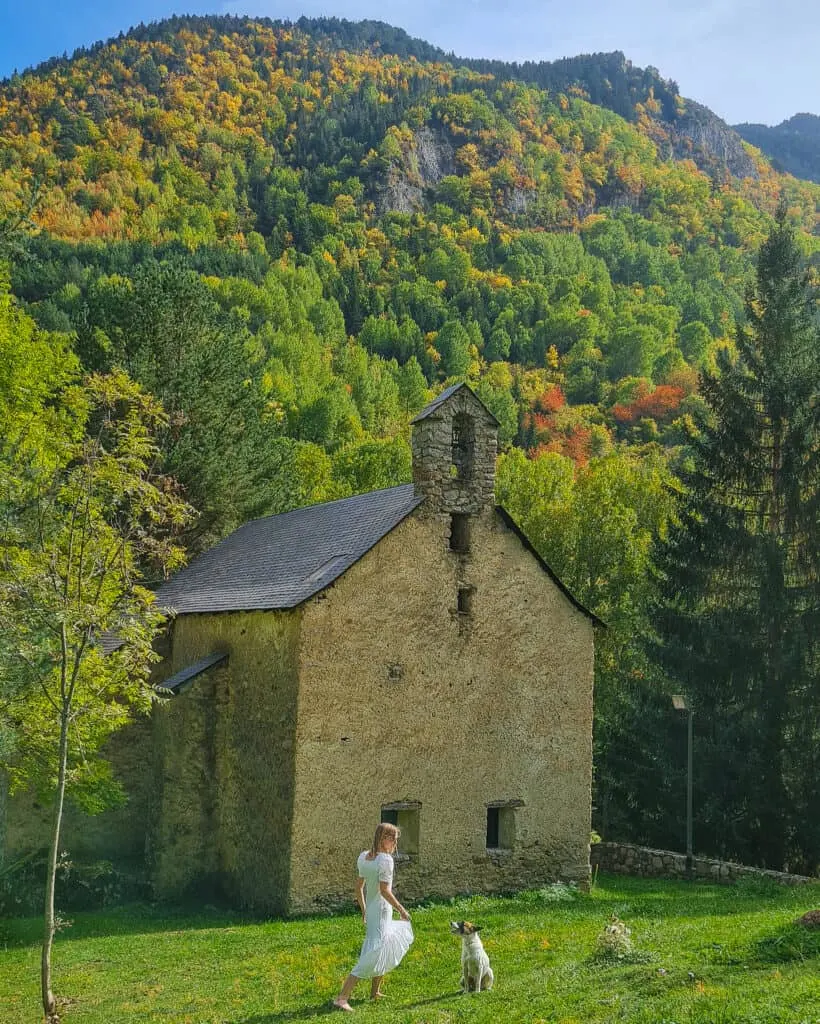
(476, 973)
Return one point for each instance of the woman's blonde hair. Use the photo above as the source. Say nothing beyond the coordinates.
(384, 830)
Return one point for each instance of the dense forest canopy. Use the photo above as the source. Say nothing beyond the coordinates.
(292, 234)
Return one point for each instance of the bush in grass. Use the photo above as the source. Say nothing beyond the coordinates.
(558, 892)
(615, 941)
(756, 886)
(21, 887)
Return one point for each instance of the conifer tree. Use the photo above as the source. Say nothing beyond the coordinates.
(739, 624)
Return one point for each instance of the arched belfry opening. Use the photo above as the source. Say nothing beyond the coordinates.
(463, 446)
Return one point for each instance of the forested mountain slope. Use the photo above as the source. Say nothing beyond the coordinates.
(293, 234)
(793, 145)
(321, 230)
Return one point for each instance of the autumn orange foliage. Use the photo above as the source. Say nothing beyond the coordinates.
(660, 405)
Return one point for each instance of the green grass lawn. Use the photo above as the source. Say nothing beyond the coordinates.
(701, 955)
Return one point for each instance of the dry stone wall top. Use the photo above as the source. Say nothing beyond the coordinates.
(644, 862)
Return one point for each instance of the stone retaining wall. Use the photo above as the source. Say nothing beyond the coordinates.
(625, 859)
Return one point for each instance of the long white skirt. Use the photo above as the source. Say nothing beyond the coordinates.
(385, 942)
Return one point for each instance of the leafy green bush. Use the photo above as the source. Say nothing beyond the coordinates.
(557, 892)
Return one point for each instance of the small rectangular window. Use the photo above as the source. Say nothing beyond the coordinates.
(492, 828)
(405, 816)
(460, 533)
(501, 826)
(465, 600)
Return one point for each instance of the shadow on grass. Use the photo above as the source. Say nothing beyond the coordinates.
(140, 919)
(327, 1008)
(636, 897)
(791, 944)
(698, 898)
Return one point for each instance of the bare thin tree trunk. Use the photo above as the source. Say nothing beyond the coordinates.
(49, 1002)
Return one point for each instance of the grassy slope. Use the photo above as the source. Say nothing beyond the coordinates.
(748, 964)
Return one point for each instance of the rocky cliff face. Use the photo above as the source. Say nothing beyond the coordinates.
(700, 135)
(695, 134)
(428, 159)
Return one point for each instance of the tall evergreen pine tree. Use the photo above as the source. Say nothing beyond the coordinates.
(739, 623)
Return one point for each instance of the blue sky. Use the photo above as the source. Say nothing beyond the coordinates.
(749, 60)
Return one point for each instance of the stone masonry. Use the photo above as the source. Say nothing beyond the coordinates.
(644, 862)
(436, 473)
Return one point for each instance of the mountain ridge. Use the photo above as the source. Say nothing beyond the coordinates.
(793, 145)
(342, 230)
(438, 222)
(609, 79)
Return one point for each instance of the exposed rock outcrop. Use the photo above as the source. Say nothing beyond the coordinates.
(425, 162)
(700, 135)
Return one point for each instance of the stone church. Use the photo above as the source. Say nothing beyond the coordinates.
(402, 655)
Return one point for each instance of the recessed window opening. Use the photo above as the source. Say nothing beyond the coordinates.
(463, 445)
(460, 533)
(405, 816)
(465, 600)
(501, 827)
(492, 828)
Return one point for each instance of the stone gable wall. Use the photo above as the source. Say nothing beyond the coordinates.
(626, 859)
(402, 699)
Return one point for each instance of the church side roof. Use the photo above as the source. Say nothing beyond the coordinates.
(280, 561)
(184, 678)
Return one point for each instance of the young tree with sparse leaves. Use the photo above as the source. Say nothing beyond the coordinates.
(77, 533)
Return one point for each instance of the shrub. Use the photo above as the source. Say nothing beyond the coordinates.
(615, 940)
(557, 892)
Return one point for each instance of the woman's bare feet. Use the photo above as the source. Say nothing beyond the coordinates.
(343, 1004)
(377, 995)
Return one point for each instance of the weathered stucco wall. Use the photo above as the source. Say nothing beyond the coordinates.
(117, 834)
(224, 749)
(403, 699)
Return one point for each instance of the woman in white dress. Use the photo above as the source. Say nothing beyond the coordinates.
(385, 941)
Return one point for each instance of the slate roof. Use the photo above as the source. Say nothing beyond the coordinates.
(280, 561)
(181, 680)
(439, 400)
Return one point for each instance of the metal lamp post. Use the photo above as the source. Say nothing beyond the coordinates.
(680, 703)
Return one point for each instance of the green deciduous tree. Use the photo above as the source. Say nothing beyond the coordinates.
(595, 526)
(453, 343)
(35, 427)
(77, 532)
(739, 625)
